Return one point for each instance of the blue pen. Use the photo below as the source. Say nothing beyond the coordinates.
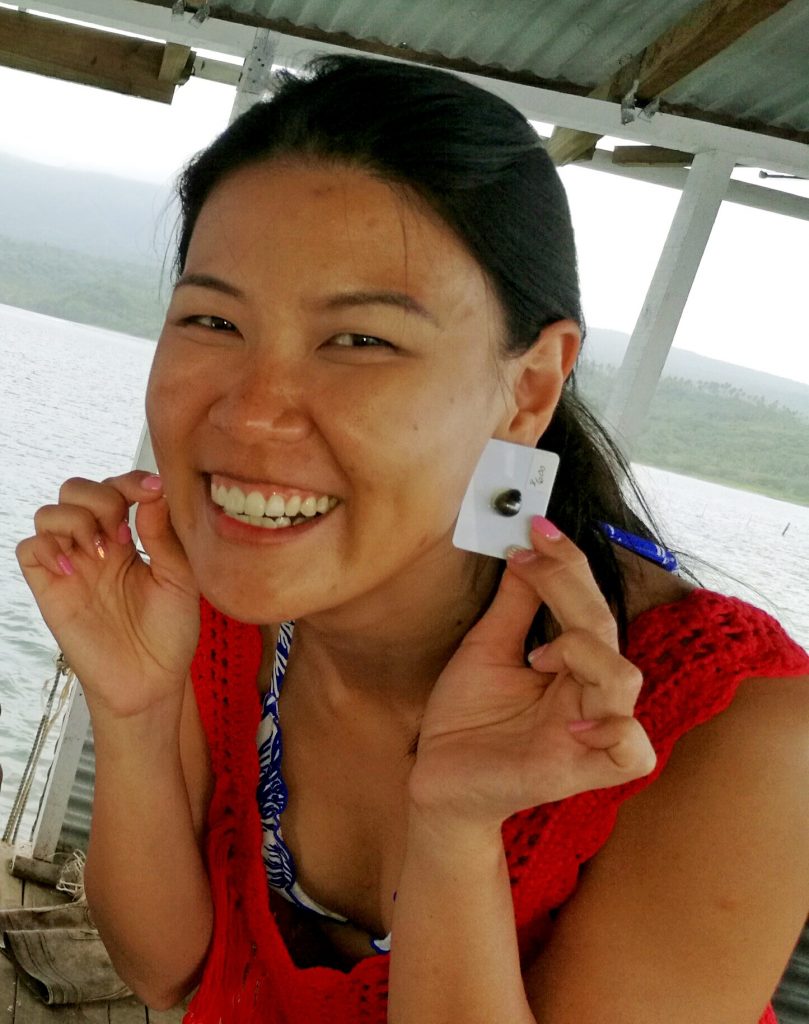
(640, 546)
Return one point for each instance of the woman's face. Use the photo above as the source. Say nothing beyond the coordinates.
(330, 339)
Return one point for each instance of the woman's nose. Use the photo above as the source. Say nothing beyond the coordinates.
(263, 403)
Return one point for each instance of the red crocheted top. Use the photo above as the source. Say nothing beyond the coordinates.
(692, 653)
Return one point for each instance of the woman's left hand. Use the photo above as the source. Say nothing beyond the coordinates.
(498, 736)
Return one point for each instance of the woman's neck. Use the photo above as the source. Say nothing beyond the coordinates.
(390, 646)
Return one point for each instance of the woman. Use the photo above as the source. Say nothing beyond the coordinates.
(376, 275)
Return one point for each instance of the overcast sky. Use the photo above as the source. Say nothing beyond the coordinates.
(749, 304)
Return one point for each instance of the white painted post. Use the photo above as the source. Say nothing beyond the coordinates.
(679, 261)
(62, 775)
(256, 77)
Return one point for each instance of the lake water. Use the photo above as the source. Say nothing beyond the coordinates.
(73, 405)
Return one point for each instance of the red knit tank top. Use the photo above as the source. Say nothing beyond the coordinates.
(693, 654)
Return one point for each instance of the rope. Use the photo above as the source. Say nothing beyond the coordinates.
(45, 725)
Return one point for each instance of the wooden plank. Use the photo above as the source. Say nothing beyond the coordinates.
(173, 1016)
(29, 1009)
(127, 1011)
(700, 36)
(10, 896)
(87, 56)
(175, 62)
(650, 156)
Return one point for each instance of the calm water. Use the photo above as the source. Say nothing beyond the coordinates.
(73, 405)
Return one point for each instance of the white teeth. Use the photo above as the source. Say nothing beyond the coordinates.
(234, 503)
(274, 511)
(254, 504)
(275, 506)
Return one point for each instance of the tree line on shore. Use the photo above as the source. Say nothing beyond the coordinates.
(705, 429)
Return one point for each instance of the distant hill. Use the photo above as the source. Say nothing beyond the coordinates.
(91, 248)
(95, 214)
(608, 347)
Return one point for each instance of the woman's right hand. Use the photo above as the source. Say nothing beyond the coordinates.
(128, 628)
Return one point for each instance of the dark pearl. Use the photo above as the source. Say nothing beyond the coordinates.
(508, 503)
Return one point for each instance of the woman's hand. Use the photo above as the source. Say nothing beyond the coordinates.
(128, 628)
(498, 736)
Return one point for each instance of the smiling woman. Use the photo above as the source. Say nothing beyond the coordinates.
(493, 781)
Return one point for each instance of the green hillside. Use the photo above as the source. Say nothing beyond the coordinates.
(717, 432)
(119, 295)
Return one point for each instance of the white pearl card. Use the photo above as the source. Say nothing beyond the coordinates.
(504, 466)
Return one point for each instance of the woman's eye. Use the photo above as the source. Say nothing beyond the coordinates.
(359, 341)
(215, 323)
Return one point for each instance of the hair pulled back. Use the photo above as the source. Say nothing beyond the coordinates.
(479, 164)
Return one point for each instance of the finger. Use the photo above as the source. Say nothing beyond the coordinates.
(111, 499)
(561, 577)
(502, 630)
(72, 526)
(43, 552)
(167, 557)
(611, 682)
(626, 744)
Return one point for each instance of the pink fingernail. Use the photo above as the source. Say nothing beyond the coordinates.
(582, 725)
(521, 555)
(65, 565)
(152, 483)
(545, 528)
(537, 652)
(124, 534)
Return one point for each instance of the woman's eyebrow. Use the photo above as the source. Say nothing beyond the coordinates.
(209, 281)
(378, 298)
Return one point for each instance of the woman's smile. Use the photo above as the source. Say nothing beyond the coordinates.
(336, 338)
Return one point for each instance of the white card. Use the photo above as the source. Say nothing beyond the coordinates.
(502, 467)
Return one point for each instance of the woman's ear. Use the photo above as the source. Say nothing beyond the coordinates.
(537, 378)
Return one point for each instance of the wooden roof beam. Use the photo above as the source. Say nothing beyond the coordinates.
(88, 56)
(706, 31)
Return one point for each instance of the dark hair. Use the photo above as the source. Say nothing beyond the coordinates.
(480, 165)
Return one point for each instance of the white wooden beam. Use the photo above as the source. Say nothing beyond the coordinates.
(62, 775)
(743, 193)
(583, 113)
(668, 292)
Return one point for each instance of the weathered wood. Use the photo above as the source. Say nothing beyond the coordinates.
(18, 1005)
(650, 156)
(31, 869)
(175, 63)
(10, 896)
(87, 56)
(699, 37)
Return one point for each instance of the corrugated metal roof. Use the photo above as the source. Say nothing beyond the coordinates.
(763, 77)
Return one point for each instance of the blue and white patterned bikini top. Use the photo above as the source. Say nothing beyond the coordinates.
(272, 796)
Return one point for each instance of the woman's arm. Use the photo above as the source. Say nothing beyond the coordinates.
(689, 913)
(692, 908)
(146, 883)
(454, 957)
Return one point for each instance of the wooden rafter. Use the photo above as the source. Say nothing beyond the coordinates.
(88, 56)
(704, 32)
